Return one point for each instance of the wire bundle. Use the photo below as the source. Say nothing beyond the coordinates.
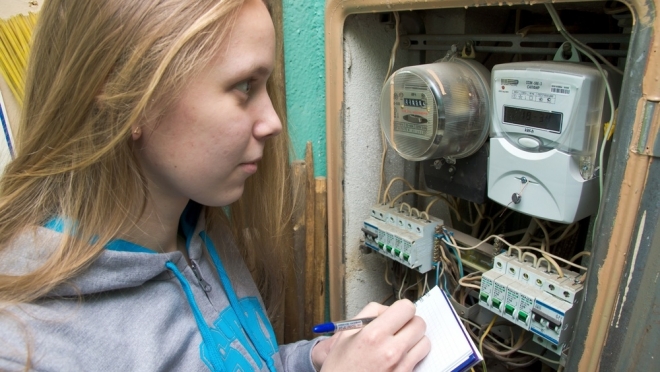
(15, 36)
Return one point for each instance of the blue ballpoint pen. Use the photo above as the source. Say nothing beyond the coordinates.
(342, 325)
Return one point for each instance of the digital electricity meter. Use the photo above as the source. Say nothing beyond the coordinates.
(546, 124)
(437, 110)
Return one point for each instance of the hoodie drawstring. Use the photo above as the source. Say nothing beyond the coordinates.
(263, 350)
(204, 330)
(233, 300)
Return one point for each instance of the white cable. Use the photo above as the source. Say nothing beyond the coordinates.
(382, 135)
(583, 48)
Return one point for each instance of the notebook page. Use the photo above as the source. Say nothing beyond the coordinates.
(450, 346)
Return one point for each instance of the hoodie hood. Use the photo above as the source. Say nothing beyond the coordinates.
(114, 269)
(149, 311)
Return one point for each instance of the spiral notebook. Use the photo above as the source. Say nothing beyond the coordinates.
(452, 349)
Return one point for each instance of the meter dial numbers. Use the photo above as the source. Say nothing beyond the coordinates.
(412, 114)
(414, 102)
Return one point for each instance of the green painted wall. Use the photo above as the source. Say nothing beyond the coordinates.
(304, 59)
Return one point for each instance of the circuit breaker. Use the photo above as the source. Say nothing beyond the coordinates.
(534, 298)
(401, 236)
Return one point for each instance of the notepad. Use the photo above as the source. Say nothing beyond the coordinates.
(452, 349)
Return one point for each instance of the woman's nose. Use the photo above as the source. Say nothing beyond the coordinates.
(269, 125)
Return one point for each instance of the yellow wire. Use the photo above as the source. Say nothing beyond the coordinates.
(481, 340)
(9, 69)
(15, 36)
(19, 38)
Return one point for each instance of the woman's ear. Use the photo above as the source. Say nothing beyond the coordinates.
(137, 133)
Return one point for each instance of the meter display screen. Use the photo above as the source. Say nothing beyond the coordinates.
(545, 120)
(414, 102)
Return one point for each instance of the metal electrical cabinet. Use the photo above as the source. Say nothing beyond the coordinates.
(618, 325)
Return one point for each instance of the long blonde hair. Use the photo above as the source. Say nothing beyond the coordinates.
(96, 69)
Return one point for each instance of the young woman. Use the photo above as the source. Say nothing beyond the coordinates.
(149, 172)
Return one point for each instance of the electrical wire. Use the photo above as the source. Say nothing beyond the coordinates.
(552, 262)
(522, 340)
(15, 36)
(389, 185)
(547, 360)
(387, 75)
(545, 233)
(513, 233)
(455, 252)
(587, 52)
(403, 282)
(578, 44)
(481, 340)
(387, 272)
(568, 231)
(413, 191)
(519, 247)
(507, 213)
(578, 255)
(444, 199)
(405, 205)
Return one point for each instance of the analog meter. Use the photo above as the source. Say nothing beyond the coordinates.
(437, 110)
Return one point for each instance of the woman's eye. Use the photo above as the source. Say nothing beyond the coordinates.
(244, 87)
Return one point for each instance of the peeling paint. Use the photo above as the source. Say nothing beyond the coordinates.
(616, 305)
(638, 243)
(614, 263)
(304, 61)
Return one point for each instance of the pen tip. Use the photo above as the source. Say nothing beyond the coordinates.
(323, 328)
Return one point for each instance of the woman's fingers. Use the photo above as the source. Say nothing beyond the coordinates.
(394, 318)
(394, 341)
(373, 309)
(414, 355)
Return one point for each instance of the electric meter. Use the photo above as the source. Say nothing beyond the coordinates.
(547, 118)
(438, 110)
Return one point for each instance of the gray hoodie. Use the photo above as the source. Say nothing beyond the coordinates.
(137, 310)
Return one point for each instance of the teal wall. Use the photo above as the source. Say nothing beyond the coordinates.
(304, 61)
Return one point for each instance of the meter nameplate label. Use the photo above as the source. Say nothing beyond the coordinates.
(560, 89)
(413, 115)
(533, 96)
(510, 81)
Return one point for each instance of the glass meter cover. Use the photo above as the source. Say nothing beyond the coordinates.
(438, 110)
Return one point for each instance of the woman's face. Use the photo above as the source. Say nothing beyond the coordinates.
(211, 140)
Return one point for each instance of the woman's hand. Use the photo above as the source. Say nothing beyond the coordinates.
(394, 341)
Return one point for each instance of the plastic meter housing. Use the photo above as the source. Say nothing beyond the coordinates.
(547, 118)
(437, 110)
(544, 106)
